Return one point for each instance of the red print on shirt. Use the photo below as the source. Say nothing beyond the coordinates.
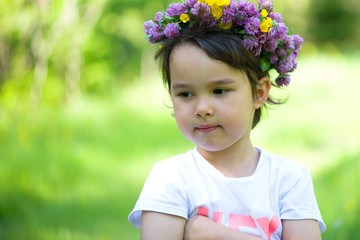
(236, 221)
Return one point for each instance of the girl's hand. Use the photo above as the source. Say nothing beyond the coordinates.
(199, 227)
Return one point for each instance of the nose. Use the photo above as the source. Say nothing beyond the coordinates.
(204, 108)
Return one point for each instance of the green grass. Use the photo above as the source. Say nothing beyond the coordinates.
(76, 175)
(76, 172)
(338, 195)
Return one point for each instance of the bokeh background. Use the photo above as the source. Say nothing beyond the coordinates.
(84, 115)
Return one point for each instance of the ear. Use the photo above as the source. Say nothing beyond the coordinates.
(262, 92)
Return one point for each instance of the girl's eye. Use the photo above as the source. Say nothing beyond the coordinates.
(220, 91)
(185, 94)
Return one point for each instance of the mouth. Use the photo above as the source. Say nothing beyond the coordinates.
(207, 128)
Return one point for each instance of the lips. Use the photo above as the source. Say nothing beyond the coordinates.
(206, 128)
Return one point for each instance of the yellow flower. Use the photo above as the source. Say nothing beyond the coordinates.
(208, 2)
(264, 13)
(184, 17)
(222, 2)
(266, 25)
(216, 11)
(225, 25)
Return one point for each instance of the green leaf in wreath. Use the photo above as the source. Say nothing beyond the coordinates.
(265, 63)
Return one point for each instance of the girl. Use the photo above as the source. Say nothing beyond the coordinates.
(215, 58)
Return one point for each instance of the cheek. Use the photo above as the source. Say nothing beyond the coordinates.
(181, 115)
(184, 124)
(237, 115)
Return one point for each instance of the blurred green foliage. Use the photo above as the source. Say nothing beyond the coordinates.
(339, 198)
(76, 173)
(335, 22)
(55, 51)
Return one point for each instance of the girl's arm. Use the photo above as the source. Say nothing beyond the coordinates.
(161, 226)
(199, 227)
(306, 229)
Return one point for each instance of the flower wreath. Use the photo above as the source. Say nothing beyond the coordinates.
(263, 31)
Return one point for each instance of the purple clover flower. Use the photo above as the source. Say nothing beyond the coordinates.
(239, 14)
(172, 30)
(270, 45)
(276, 16)
(296, 53)
(252, 27)
(249, 8)
(201, 10)
(297, 41)
(295, 65)
(228, 15)
(207, 23)
(278, 31)
(159, 17)
(273, 58)
(281, 52)
(286, 64)
(248, 43)
(252, 45)
(288, 43)
(283, 80)
(257, 50)
(293, 60)
(267, 4)
(176, 9)
(157, 33)
(191, 3)
(240, 18)
(234, 4)
(148, 25)
(263, 37)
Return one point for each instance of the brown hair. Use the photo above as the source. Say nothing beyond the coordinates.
(220, 45)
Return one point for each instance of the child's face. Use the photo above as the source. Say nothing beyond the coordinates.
(213, 102)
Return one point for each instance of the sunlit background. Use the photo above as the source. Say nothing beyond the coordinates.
(84, 115)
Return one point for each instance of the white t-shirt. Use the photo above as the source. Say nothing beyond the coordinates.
(187, 184)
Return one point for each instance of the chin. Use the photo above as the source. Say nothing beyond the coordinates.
(211, 148)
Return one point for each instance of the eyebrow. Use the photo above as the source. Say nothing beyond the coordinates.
(218, 82)
(180, 85)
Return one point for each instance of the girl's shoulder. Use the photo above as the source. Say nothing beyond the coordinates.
(176, 165)
(279, 160)
(283, 166)
(175, 161)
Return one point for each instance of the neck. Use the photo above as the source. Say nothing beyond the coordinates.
(234, 162)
